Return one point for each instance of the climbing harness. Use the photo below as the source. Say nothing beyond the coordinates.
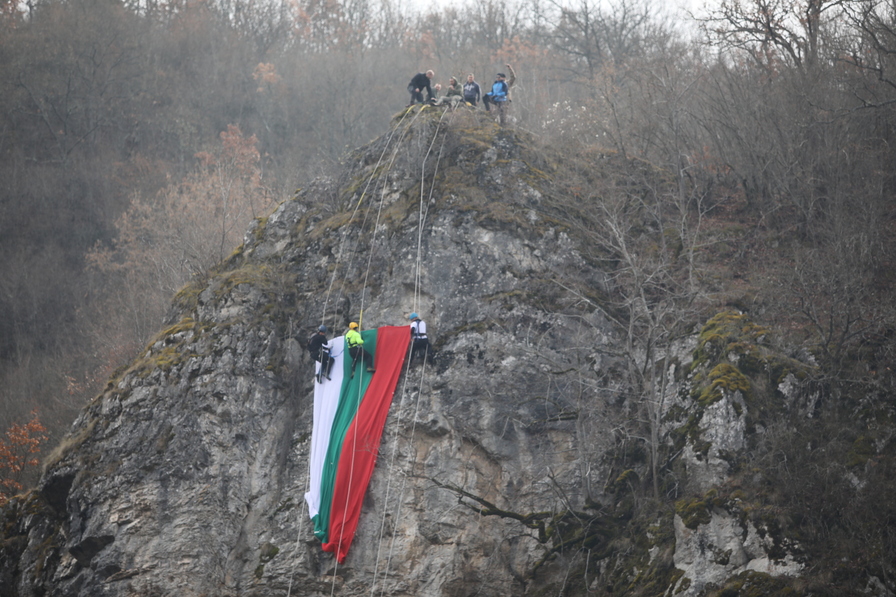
(324, 370)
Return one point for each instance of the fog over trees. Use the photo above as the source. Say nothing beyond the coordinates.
(139, 139)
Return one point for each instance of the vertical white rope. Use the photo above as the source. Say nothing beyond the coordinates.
(351, 472)
(343, 244)
(347, 228)
(360, 385)
(420, 224)
(404, 478)
(389, 476)
(329, 291)
(421, 213)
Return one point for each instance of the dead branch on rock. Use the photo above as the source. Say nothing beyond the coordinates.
(565, 529)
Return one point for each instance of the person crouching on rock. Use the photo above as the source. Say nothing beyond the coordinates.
(452, 97)
(417, 85)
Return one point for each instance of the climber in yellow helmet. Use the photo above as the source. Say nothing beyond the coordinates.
(356, 348)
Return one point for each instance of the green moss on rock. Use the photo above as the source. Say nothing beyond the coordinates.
(267, 552)
(693, 512)
(726, 332)
(860, 452)
(724, 376)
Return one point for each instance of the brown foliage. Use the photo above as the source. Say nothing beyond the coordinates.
(18, 452)
(183, 231)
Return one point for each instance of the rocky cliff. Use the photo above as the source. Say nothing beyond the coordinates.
(508, 465)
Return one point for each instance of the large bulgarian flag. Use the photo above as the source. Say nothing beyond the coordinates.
(349, 414)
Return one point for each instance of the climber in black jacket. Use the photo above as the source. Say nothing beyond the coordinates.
(320, 351)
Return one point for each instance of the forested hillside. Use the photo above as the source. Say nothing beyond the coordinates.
(138, 140)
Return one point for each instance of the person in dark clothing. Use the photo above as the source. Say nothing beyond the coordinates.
(417, 85)
(472, 92)
(418, 335)
(320, 351)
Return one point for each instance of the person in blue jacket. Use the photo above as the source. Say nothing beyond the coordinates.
(499, 96)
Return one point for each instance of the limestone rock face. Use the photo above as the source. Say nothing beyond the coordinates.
(723, 432)
(722, 548)
(186, 476)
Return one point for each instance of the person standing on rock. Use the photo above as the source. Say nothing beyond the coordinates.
(417, 85)
(319, 349)
(472, 92)
(356, 348)
(418, 336)
(499, 96)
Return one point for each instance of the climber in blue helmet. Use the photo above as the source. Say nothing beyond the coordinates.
(418, 335)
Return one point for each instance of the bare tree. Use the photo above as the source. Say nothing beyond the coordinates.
(774, 31)
(191, 226)
(647, 237)
(600, 36)
(835, 285)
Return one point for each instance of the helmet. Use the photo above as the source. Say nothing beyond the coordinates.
(322, 328)
(353, 326)
(413, 316)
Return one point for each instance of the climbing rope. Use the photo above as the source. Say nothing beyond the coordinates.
(329, 291)
(343, 247)
(389, 477)
(347, 493)
(347, 227)
(421, 221)
(424, 210)
(404, 478)
(363, 295)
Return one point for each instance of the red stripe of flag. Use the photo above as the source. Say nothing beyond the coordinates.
(362, 441)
